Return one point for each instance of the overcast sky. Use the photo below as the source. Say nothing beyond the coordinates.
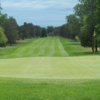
(39, 12)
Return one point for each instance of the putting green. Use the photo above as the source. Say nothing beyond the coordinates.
(87, 67)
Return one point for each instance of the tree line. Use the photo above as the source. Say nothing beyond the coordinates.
(11, 32)
(83, 25)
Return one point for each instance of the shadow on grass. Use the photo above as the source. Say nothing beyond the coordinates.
(74, 48)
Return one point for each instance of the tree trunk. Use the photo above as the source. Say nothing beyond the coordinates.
(93, 49)
(96, 49)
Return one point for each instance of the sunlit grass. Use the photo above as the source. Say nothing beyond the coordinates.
(50, 68)
(44, 47)
(26, 89)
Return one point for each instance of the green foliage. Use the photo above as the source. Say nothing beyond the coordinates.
(50, 30)
(44, 32)
(87, 32)
(3, 17)
(86, 11)
(10, 27)
(28, 30)
(11, 31)
(73, 26)
(3, 38)
(64, 31)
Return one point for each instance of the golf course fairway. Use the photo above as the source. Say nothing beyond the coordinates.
(50, 68)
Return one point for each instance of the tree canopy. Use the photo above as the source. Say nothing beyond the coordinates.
(3, 38)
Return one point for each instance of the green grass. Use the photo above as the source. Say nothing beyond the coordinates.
(47, 78)
(44, 47)
(50, 68)
(20, 89)
(74, 48)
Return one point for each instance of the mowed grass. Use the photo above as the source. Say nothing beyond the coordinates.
(50, 68)
(50, 46)
(47, 78)
(20, 89)
(44, 47)
(87, 67)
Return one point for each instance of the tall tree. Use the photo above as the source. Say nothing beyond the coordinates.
(44, 32)
(0, 8)
(50, 30)
(97, 15)
(10, 26)
(86, 10)
(73, 26)
(28, 30)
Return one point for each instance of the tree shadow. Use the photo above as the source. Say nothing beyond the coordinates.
(84, 54)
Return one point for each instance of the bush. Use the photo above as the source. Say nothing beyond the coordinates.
(3, 38)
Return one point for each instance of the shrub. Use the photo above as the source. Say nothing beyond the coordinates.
(3, 38)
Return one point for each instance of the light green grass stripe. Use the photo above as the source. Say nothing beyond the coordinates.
(52, 68)
(61, 48)
(44, 47)
(27, 49)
